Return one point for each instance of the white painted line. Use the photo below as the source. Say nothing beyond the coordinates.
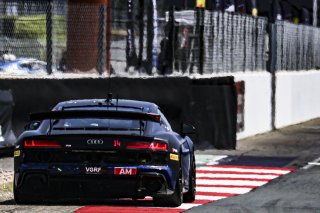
(228, 169)
(206, 197)
(314, 164)
(209, 159)
(224, 190)
(231, 182)
(237, 176)
(310, 164)
(187, 206)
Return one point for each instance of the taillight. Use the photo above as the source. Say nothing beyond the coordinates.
(154, 146)
(138, 145)
(159, 146)
(40, 143)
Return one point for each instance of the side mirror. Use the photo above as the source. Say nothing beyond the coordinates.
(187, 129)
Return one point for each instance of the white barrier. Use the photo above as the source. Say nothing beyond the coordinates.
(297, 97)
(297, 100)
(257, 106)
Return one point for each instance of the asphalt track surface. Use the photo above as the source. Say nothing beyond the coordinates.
(297, 192)
(263, 175)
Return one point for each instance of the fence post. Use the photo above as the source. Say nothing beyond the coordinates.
(101, 59)
(272, 69)
(272, 62)
(272, 48)
(131, 54)
(49, 27)
(150, 35)
(200, 29)
(172, 37)
(2, 11)
(141, 34)
(315, 13)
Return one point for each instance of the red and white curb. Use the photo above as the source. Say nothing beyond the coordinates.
(214, 182)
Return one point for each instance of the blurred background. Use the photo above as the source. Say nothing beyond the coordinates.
(157, 37)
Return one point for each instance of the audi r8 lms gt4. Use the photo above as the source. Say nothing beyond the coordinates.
(95, 150)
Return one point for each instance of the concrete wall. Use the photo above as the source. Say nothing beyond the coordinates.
(297, 97)
(297, 100)
(257, 106)
(209, 104)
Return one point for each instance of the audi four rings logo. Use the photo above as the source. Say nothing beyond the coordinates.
(95, 141)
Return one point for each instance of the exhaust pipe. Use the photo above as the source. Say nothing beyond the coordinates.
(152, 184)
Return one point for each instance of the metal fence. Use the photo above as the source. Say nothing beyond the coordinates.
(135, 37)
(138, 27)
(298, 47)
(24, 30)
(16, 34)
(119, 37)
(234, 42)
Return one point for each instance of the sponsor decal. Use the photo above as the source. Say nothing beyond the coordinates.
(95, 142)
(174, 157)
(125, 171)
(93, 170)
(17, 153)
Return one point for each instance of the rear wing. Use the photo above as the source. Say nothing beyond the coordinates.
(75, 114)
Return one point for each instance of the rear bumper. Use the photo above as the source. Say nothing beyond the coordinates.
(48, 182)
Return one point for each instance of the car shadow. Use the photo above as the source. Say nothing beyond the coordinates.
(7, 202)
(107, 202)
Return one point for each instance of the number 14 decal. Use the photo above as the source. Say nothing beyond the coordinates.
(116, 143)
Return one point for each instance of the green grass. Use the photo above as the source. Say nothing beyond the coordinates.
(34, 27)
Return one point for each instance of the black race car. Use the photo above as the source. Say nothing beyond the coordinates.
(92, 150)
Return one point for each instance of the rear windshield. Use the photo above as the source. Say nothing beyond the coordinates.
(98, 124)
(101, 124)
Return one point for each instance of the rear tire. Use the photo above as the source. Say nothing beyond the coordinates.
(173, 200)
(16, 195)
(190, 196)
(21, 197)
(18, 198)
